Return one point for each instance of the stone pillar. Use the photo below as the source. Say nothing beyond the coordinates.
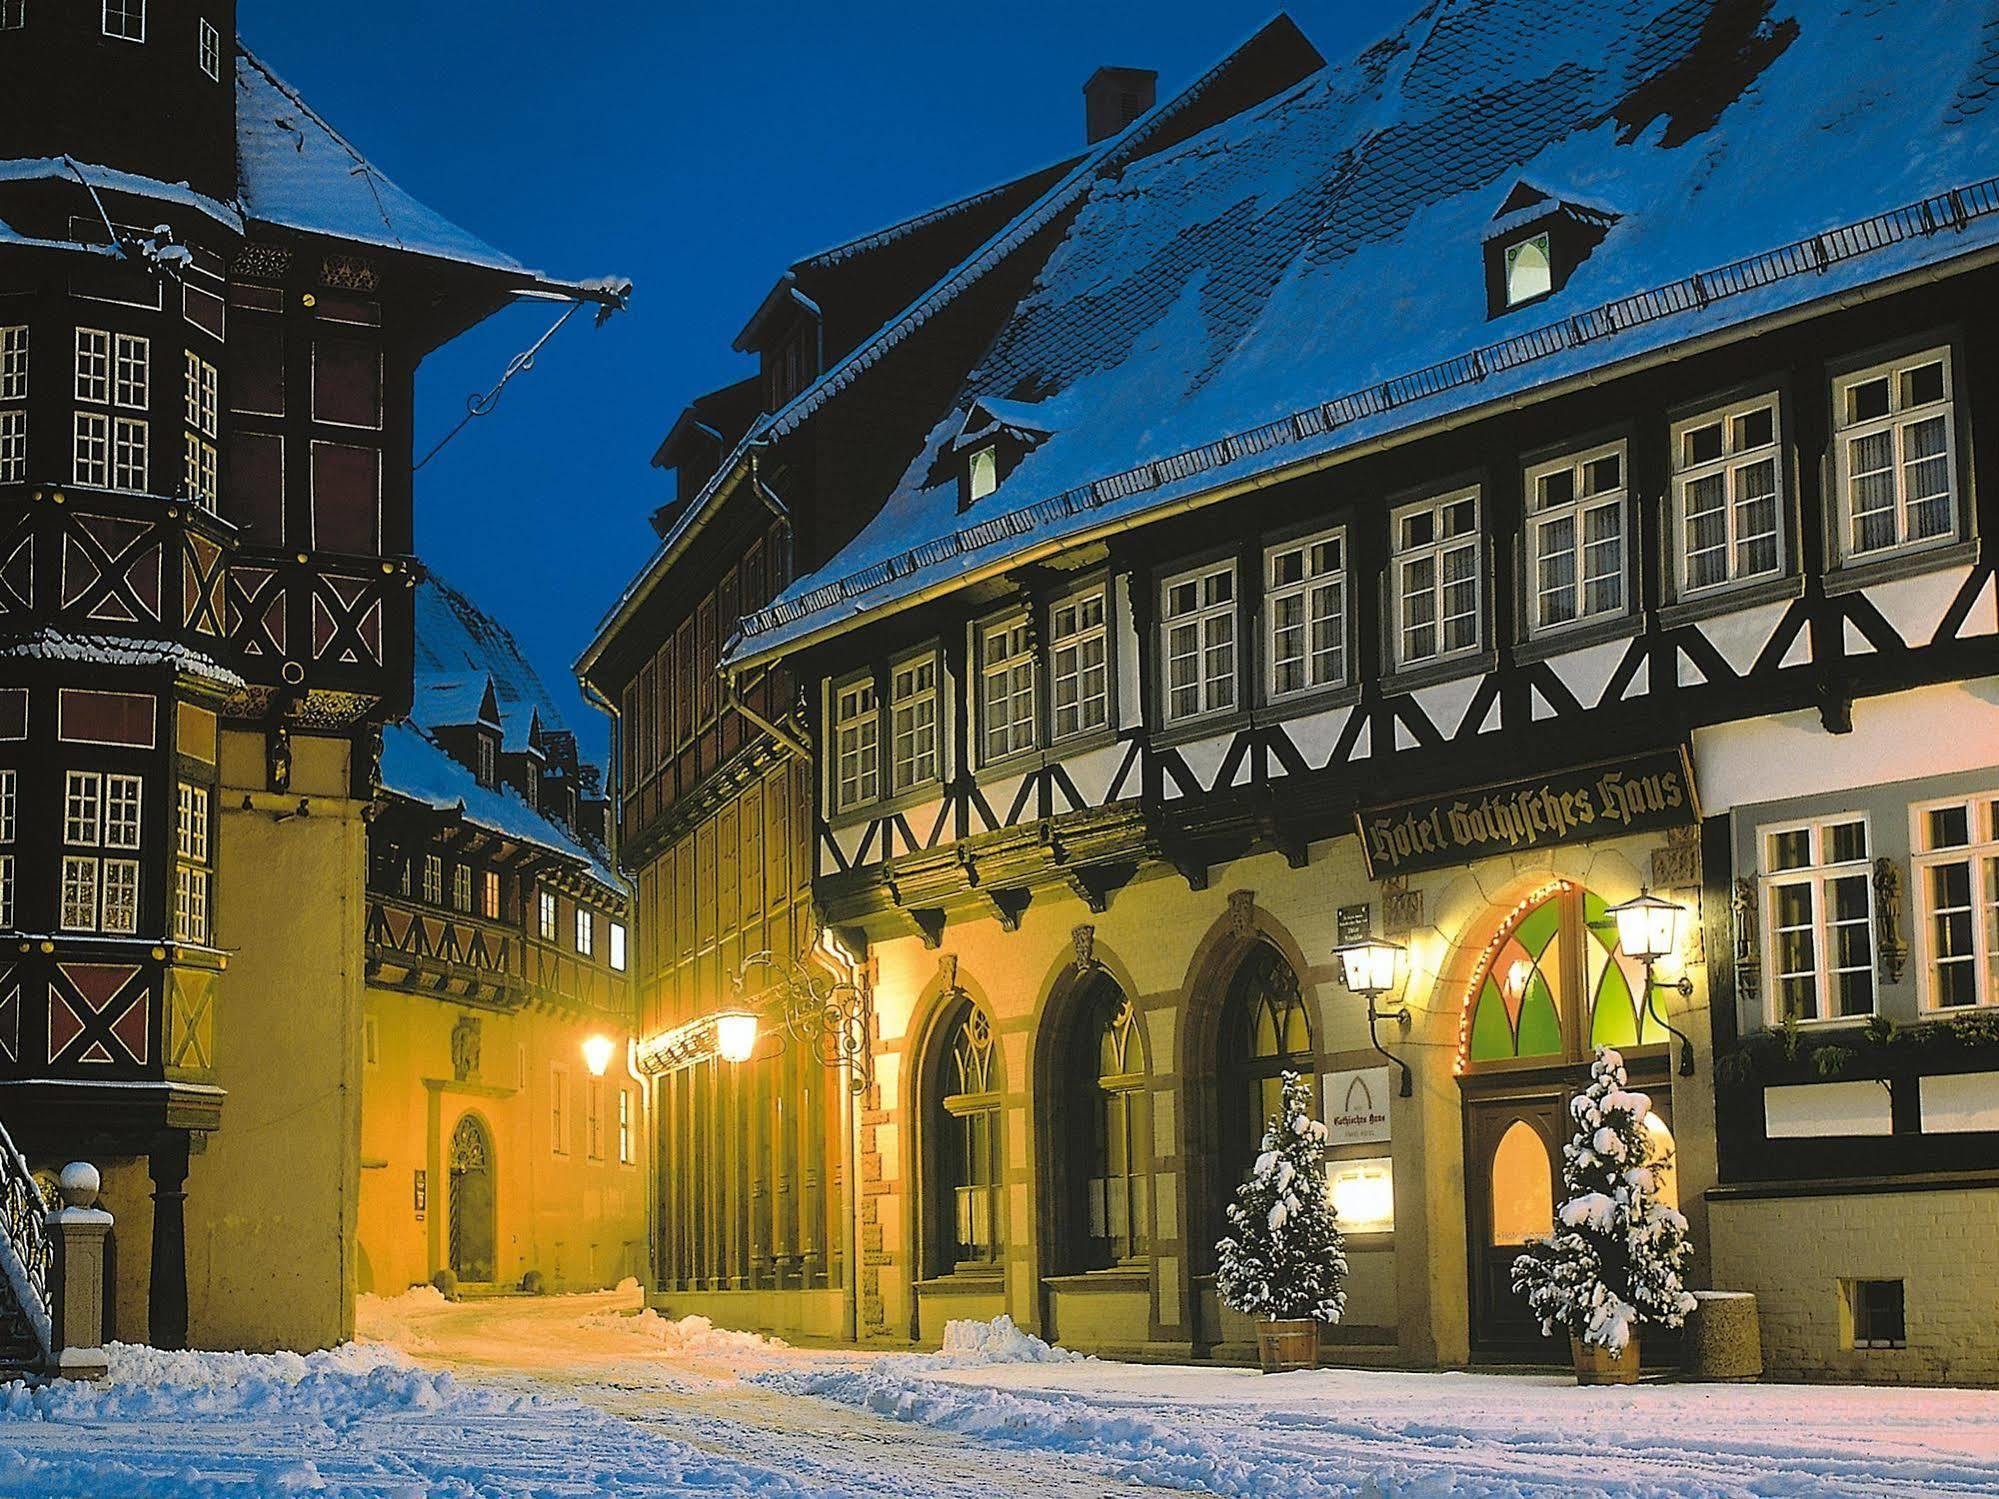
(78, 1231)
(166, 1298)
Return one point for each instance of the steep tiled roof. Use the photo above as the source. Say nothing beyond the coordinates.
(1308, 274)
(459, 649)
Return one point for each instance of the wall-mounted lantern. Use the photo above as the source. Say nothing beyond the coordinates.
(1648, 929)
(1372, 968)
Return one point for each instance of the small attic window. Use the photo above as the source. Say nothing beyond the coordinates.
(981, 473)
(1529, 270)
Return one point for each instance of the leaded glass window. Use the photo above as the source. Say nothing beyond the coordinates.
(1115, 1198)
(1265, 1033)
(1556, 985)
(968, 1120)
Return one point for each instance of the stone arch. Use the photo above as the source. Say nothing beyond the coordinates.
(472, 1204)
(939, 1013)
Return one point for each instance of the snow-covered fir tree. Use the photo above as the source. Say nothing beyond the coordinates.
(1286, 1258)
(1617, 1252)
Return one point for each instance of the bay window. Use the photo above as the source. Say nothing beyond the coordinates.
(1198, 633)
(100, 812)
(1575, 539)
(1079, 663)
(1818, 918)
(1727, 495)
(1956, 863)
(1006, 689)
(1305, 610)
(1894, 454)
(1435, 572)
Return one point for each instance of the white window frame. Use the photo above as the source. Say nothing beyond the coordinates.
(13, 445)
(1320, 591)
(586, 931)
(93, 366)
(1009, 687)
(118, 894)
(1816, 874)
(1584, 555)
(1204, 629)
(545, 914)
(489, 894)
(915, 708)
(90, 450)
(981, 472)
(433, 879)
(1981, 852)
(131, 371)
(129, 13)
(202, 394)
(856, 743)
(83, 808)
(14, 362)
(199, 472)
(1436, 552)
(10, 804)
(461, 889)
(1079, 663)
(124, 811)
(208, 50)
(1897, 421)
(1731, 466)
(192, 882)
(131, 454)
(619, 956)
(77, 908)
(6, 892)
(13, 15)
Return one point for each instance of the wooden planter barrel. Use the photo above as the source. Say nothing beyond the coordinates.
(1596, 1366)
(1287, 1344)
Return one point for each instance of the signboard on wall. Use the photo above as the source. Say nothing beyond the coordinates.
(1355, 1105)
(1643, 793)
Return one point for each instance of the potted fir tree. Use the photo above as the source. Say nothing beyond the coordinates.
(1616, 1255)
(1285, 1262)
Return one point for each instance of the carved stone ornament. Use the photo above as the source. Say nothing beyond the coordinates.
(1083, 938)
(947, 973)
(1748, 963)
(1401, 907)
(1888, 919)
(1677, 866)
(1242, 913)
(465, 1048)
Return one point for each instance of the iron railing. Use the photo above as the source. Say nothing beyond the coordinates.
(26, 1251)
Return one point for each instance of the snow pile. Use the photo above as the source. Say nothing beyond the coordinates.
(395, 1319)
(333, 1386)
(689, 1335)
(968, 1344)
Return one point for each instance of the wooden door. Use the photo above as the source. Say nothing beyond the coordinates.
(1512, 1178)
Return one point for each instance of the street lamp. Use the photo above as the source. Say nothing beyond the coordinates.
(1648, 929)
(1372, 968)
(833, 1019)
(597, 1052)
(736, 1035)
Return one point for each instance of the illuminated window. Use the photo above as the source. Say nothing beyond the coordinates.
(489, 895)
(545, 915)
(1530, 273)
(1520, 1006)
(1006, 689)
(981, 473)
(912, 706)
(1523, 1186)
(461, 888)
(966, 1117)
(1363, 1194)
(1116, 1204)
(433, 879)
(586, 931)
(618, 947)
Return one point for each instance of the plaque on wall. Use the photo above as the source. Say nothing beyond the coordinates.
(1643, 793)
(1356, 1105)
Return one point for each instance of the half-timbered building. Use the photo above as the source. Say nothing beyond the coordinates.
(211, 311)
(1536, 462)
(502, 1128)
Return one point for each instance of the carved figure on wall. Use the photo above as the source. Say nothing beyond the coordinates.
(1888, 919)
(465, 1048)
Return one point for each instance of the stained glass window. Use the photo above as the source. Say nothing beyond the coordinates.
(1521, 1007)
(1516, 1013)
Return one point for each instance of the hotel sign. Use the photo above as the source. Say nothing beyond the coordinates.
(1642, 794)
(1356, 1105)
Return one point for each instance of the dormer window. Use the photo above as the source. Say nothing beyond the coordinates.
(981, 473)
(487, 768)
(1529, 273)
(1534, 244)
(125, 20)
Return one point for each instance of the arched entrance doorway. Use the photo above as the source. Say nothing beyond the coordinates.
(471, 1203)
(1550, 987)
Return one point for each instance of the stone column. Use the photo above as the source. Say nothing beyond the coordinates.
(166, 1296)
(78, 1231)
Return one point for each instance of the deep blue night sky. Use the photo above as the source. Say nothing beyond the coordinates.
(698, 149)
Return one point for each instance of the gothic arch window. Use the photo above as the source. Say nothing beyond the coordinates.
(966, 1192)
(1265, 1033)
(1100, 1132)
(1554, 985)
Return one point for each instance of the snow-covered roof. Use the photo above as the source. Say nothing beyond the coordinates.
(1278, 37)
(1307, 276)
(298, 172)
(460, 650)
(45, 644)
(417, 767)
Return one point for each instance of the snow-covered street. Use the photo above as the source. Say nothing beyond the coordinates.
(576, 1395)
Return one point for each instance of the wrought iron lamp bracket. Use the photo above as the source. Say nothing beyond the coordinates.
(833, 1019)
(1684, 987)
(1402, 1016)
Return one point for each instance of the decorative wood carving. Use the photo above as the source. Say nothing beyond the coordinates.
(349, 273)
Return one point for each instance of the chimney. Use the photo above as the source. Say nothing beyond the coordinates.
(1114, 97)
